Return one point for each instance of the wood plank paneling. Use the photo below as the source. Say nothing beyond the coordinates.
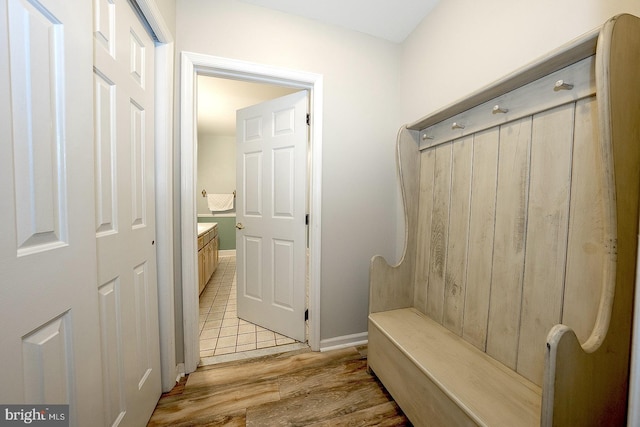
(586, 252)
(439, 232)
(547, 229)
(480, 216)
(425, 211)
(481, 236)
(509, 244)
(455, 282)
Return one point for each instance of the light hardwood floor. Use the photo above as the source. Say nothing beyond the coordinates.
(300, 388)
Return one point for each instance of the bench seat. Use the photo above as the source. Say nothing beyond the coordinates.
(481, 390)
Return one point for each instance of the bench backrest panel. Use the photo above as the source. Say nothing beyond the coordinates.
(510, 232)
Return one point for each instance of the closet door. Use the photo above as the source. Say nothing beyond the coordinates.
(125, 213)
(50, 337)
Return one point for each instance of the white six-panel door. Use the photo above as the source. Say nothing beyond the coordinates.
(49, 336)
(78, 303)
(125, 213)
(271, 207)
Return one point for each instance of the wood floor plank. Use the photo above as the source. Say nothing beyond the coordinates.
(325, 377)
(268, 367)
(317, 406)
(227, 420)
(384, 415)
(214, 401)
(302, 388)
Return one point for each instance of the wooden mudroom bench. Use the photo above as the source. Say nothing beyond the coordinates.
(512, 303)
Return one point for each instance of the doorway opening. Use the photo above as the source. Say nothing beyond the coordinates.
(223, 336)
(193, 66)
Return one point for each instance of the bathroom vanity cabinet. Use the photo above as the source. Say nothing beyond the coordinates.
(207, 253)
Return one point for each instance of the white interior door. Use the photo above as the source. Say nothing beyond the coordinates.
(50, 341)
(271, 208)
(125, 213)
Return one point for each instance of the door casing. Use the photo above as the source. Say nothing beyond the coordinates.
(164, 75)
(193, 64)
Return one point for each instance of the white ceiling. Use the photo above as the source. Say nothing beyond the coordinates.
(218, 100)
(392, 20)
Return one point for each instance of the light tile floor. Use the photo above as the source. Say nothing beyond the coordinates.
(221, 331)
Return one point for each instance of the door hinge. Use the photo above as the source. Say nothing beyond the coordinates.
(309, 119)
(306, 314)
(306, 219)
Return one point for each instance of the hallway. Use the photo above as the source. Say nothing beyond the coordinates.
(225, 337)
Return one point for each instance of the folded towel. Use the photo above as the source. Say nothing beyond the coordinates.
(220, 202)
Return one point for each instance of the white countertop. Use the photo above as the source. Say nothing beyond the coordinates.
(203, 227)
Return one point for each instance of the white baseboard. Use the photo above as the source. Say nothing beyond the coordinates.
(227, 252)
(344, 341)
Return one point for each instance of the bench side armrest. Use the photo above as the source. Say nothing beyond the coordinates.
(391, 287)
(587, 384)
(581, 388)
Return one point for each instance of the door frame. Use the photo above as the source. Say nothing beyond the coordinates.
(192, 65)
(164, 75)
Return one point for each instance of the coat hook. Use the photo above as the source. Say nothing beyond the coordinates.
(562, 85)
(457, 125)
(499, 109)
(425, 137)
(204, 193)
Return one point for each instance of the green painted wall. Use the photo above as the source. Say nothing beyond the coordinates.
(226, 230)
